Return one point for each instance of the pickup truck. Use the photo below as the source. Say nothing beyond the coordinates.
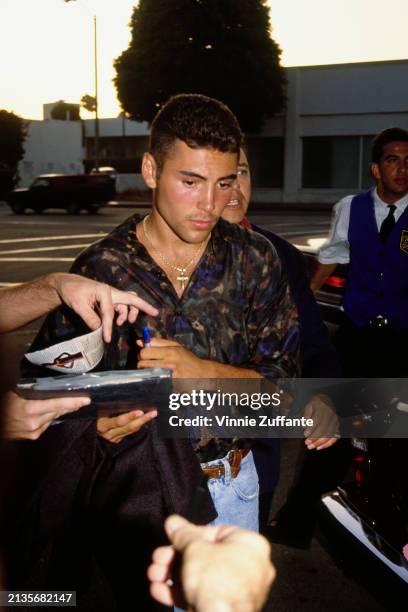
(73, 192)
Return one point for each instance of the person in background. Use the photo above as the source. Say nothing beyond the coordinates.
(222, 568)
(318, 360)
(369, 231)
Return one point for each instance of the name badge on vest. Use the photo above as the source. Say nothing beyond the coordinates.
(404, 241)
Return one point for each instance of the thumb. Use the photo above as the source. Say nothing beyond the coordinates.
(173, 523)
(308, 413)
(180, 532)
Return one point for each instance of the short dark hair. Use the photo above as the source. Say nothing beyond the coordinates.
(196, 120)
(384, 138)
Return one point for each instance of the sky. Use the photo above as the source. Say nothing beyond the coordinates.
(46, 46)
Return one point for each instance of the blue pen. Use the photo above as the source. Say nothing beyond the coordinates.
(146, 336)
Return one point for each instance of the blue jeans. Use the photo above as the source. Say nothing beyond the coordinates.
(236, 500)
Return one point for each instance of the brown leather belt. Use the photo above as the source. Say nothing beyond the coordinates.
(234, 459)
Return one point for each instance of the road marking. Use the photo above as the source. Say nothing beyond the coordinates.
(47, 238)
(21, 259)
(51, 248)
(59, 224)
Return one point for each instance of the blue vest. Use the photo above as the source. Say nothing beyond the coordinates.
(377, 282)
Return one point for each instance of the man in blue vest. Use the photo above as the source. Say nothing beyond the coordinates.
(370, 231)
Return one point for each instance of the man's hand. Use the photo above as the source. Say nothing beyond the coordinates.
(27, 419)
(114, 429)
(325, 429)
(170, 354)
(223, 568)
(319, 275)
(97, 303)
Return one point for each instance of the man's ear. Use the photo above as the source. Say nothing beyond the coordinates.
(149, 170)
(375, 171)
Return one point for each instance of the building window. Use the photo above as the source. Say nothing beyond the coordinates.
(336, 162)
(265, 156)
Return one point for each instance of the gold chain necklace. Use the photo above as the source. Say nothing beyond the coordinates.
(182, 276)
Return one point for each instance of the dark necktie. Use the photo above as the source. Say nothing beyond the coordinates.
(388, 223)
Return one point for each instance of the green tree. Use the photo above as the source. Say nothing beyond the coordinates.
(13, 130)
(221, 48)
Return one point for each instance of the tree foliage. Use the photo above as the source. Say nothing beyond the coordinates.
(13, 131)
(221, 48)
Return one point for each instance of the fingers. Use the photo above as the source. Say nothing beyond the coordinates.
(162, 593)
(159, 572)
(164, 555)
(114, 429)
(130, 298)
(28, 419)
(122, 314)
(55, 406)
(104, 300)
(320, 443)
(132, 314)
(156, 363)
(159, 355)
(156, 342)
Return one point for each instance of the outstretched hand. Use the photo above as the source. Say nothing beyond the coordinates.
(96, 303)
(222, 567)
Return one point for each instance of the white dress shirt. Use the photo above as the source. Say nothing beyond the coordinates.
(336, 249)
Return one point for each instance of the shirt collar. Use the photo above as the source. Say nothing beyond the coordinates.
(401, 204)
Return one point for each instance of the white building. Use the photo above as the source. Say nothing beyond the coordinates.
(332, 114)
(51, 146)
(316, 151)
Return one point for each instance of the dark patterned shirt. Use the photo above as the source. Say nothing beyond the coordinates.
(236, 308)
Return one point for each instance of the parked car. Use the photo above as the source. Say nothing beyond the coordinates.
(73, 192)
(105, 170)
(364, 522)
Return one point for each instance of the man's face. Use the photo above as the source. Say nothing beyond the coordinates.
(237, 207)
(192, 189)
(391, 173)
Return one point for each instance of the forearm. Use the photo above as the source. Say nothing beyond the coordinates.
(26, 302)
(321, 272)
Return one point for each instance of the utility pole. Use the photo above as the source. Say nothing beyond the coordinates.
(95, 105)
(96, 149)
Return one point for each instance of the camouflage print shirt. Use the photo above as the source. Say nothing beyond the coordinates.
(236, 309)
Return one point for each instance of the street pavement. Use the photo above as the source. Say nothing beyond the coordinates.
(33, 244)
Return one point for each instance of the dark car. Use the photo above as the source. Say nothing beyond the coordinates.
(73, 192)
(364, 522)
